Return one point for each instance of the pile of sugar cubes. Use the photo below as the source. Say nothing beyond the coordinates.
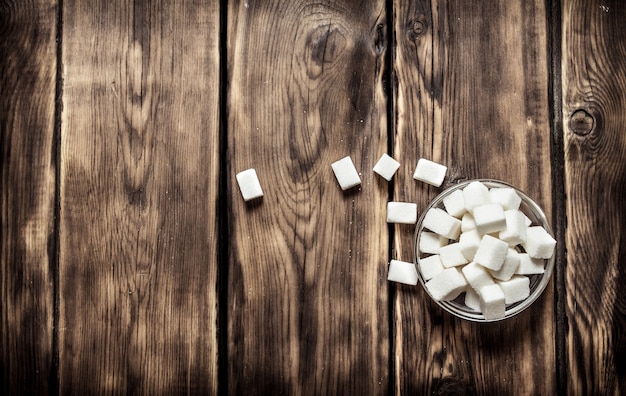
(481, 244)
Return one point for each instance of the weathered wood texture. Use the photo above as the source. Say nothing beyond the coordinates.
(27, 187)
(139, 178)
(307, 276)
(594, 116)
(471, 93)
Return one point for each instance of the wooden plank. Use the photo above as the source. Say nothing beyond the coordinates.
(139, 178)
(307, 283)
(594, 103)
(472, 94)
(27, 191)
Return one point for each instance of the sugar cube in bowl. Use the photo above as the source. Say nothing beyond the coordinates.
(537, 281)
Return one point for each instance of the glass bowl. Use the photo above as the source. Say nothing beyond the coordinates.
(538, 282)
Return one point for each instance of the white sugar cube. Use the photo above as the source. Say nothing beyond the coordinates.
(477, 276)
(515, 289)
(505, 196)
(401, 212)
(249, 184)
(515, 231)
(402, 272)
(472, 299)
(539, 244)
(430, 242)
(467, 222)
(489, 218)
(529, 265)
(451, 255)
(475, 194)
(437, 220)
(492, 303)
(454, 204)
(346, 173)
(527, 221)
(430, 266)
(509, 267)
(491, 252)
(447, 285)
(386, 167)
(469, 242)
(430, 172)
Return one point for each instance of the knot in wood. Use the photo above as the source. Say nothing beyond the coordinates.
(417, 27)
(581, 122)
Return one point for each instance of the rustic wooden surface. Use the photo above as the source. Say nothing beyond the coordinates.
(130, 263)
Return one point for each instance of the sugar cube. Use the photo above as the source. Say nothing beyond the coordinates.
(401, 212)
(515, 231)
(386, 166)
(489, 218)
(467, 222)
(529, 265)
(511, 262)
(402, 272)
(454, 204)
(249, 184)
(430, 242)
(491, 252)
(477, 276)
(346, 173)
(472, 299)
(539, 244)
(505, 196)
(430, 266)
(475, 194)
(515, 289)
(451, 255)
(469, 242)
(447, 285)
(492, 303)
(437, 220)
(430, 172)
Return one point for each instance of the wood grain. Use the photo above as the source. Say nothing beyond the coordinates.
(139, 178)
(308, 263)
(594, 115)
(27, 191)
(472, 94)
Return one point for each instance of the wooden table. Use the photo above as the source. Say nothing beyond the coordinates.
(131, 264)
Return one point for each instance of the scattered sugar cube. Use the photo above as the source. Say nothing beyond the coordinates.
(475, 194)
(539, 244)
(492, 303)
(402, 272)
(469, 242)
(489, 218)
(430, 242)
(491, 252)
(386, 166)
(505, 196)
(451, 255)
(401, 212)
(509, 267)
(346, 173)
(437, 220)
(529, 265)
(515, 289)
(430, 266)
(454, 204)
(430, 172)
(472, 299)
(249, 184)
(447, 285)
(515, 231)
(467, 222)
(477, 276)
